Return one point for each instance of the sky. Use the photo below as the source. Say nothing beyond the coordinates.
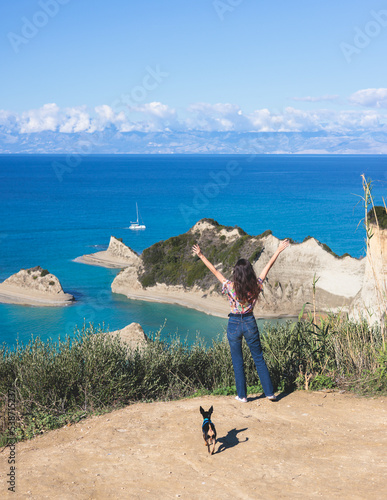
(213, 65)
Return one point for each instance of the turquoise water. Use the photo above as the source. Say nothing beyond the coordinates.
(49, 220)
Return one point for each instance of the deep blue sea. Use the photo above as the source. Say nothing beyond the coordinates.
(49, 216)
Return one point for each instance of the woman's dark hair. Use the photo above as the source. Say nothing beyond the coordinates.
(245, 281)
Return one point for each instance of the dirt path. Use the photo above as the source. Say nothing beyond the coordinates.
(308, 445)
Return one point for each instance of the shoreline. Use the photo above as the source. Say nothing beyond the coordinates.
(213, 309)
(213, 306)
(16, 295)
(99, 259)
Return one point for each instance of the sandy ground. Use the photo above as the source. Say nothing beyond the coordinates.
(215, 306)
(212, 305)
(16, 295)
(102, 259)
(308, 445)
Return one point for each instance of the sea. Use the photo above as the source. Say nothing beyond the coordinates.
(55, 208)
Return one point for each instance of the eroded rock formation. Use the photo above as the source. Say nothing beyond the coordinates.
(133, 335)
(118, 255)
(35, 286)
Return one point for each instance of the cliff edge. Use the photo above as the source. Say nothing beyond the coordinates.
(371, 301)
(169, 272)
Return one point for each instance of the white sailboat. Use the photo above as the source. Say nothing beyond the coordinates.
(137, 225)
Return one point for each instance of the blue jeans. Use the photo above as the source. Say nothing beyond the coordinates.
(241, 325)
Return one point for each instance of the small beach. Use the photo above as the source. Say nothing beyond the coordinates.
(15, 295)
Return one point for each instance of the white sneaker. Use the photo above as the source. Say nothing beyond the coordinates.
(242, 400)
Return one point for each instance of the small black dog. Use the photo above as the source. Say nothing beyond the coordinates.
(208, 428)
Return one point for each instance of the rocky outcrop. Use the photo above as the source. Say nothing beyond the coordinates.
(288, 287)
(118, 255)
(133, 335)
(121, 251)
(34, 286)
(289, 284)
(371, 301)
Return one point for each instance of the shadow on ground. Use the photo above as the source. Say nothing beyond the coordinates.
(230, 440)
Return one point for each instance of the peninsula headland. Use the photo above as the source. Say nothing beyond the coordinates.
(169, 272)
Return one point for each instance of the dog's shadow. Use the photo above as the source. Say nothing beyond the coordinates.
(230, 440)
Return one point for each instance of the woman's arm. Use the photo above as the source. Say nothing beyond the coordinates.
(281, 247)
(198, 252)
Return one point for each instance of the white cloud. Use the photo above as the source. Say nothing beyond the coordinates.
(220, 117)
(264, 121)
(128, 127)
(289, 120)
(40, 120)
(156, 109)
(150, 117)
(216, 117)
(295, 120)
(68, 120)
(371, 98)
(227, 117)
(105, 117)
(348, 120)
(105, 112)
(75, 120)
(8, 120)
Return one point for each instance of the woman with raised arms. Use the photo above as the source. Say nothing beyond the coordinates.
(242, 293)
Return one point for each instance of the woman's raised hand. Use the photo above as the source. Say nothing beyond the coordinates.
(284, 244)
(196, 249)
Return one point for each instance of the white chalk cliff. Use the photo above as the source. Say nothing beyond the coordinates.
(370, 302)
(34, 286)
(289, 283)
(118, 255)
(288, 287)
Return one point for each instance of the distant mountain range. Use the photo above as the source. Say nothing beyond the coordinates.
(111, 141)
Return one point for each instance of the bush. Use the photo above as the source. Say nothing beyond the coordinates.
(381, 215)
(61, 382)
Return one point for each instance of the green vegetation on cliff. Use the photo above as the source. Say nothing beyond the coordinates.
(172, 261)
(381, 215)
